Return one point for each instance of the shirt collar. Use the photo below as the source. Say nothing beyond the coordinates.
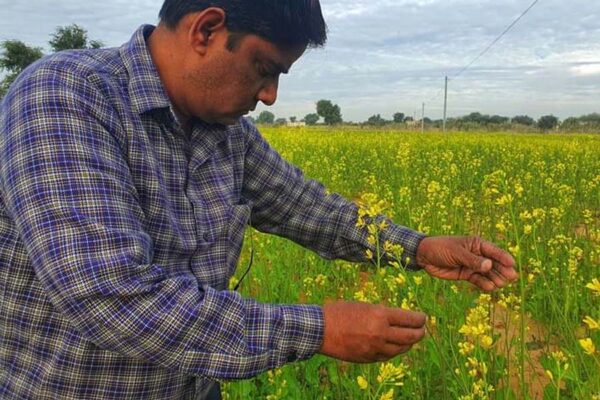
(146, 91)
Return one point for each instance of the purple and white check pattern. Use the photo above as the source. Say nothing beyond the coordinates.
(119, 233)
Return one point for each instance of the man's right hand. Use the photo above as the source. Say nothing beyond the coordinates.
(364, 333)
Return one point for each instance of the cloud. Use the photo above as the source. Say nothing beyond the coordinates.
(400, 51)
(385, 56)
(586, 70)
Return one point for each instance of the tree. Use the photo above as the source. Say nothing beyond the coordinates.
(280, 121)
(376, 120)
(477, 118)
(72, 37)
(571, 124)
(16, 56)
(398, 117)
(312, 119)
(523, 120)
(330, 112)
(266, 117)
(585, 123)
(547, 122)
(497, 119)
(593, 118)
(293, 120)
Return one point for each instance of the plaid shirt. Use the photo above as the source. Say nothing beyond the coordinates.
(119, 233)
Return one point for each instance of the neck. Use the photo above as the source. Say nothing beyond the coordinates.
(166, 57)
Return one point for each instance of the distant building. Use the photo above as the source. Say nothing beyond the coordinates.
(296, 124)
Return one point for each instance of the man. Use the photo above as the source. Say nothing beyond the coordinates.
(127, 178)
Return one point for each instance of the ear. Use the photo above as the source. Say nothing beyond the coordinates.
(203, 26)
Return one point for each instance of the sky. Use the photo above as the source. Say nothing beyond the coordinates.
(388, 56)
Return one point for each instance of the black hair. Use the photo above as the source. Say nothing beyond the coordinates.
(282, 22)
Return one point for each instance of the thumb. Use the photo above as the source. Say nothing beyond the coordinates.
(476, 263)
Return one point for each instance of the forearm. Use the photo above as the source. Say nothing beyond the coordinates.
(215, 334)
(287, 204)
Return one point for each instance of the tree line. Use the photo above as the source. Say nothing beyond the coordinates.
(330, 114)
(326, 111)
(16, 56)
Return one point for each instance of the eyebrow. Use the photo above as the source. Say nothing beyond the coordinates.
(280, 67)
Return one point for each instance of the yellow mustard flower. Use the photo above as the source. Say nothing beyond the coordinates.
(389, 395)
(588, 346)
(372, 240)
(383, 225)
(362, 382)
(594, 286)
(486, 341)
(233, 281)
(591, 323)
(465, 348)
(559, 356)
(400, 279)
(390, 373)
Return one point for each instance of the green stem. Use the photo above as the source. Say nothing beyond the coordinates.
(522, 295)
(439, 350)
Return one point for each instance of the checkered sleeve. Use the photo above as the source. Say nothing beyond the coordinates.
(67, 185)
(287, 204)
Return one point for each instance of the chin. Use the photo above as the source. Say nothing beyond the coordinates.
(222, 121)
(230, 120)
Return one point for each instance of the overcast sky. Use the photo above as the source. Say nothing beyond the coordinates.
(385, 56)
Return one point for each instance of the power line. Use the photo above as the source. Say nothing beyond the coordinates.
(497, 39)
(482, 53)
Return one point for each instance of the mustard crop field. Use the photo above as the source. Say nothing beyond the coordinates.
(537, 196)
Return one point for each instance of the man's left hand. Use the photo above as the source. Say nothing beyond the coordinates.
(467, 258)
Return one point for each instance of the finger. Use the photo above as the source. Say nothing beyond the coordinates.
(475, 263)
(506, 272)
(482, 282)
(496, 277)
(406, 319)
(495, 253)
(404, 336)
(390, 351)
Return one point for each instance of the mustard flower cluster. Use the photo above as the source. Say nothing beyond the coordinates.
(559, 366)
(477, 333)
(388, 375)
(587, 344)
(369, 218)
(477, 329)
(277, 382)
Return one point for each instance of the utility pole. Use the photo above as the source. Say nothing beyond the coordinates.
(445, 102)
(423, 119)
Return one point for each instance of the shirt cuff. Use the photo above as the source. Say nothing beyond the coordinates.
(302, 333)
(409, 240)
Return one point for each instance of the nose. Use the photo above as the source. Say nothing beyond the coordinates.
(268, 93)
